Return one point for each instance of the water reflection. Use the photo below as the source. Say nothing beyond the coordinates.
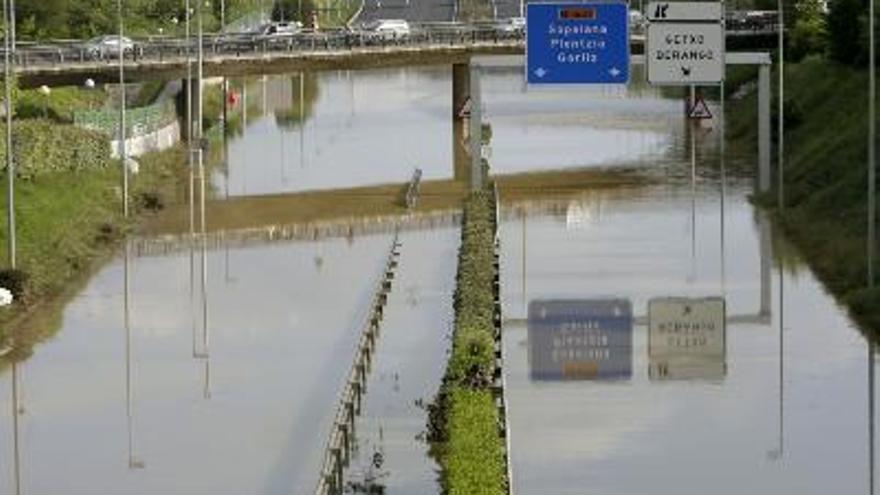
(580, 340)
(687, 339)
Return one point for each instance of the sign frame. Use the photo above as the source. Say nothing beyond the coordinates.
(624, 67)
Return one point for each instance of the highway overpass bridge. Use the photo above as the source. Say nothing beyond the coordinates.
(69, 63)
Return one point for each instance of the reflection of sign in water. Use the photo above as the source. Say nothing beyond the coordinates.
(580, 339)
(686, 338)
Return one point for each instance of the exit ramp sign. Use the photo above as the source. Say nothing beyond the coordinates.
(577, 43)
(685, 43)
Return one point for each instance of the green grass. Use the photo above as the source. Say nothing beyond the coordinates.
(463, 425)
(61, 103)
(69, 221)
(825, 176)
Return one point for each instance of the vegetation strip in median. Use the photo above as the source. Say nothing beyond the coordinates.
(463, 420)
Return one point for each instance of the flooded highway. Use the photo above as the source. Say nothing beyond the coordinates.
(157, 376)
(775, 399)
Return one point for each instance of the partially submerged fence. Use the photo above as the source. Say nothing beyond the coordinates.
(341, 443)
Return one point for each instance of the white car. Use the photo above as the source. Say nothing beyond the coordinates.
(389, 28)
(512, 25)
(106, 46)
(280, 29)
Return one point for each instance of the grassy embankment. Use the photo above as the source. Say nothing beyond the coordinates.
(463, 420)
(825, 212)
(68, 201)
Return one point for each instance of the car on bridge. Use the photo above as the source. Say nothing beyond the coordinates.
(279, 29)
(387, 29)
(513, 26)
(107, 46)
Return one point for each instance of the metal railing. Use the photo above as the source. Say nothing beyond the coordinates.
(140, 121)
(499, 386)
(230, 45)
(341, 443)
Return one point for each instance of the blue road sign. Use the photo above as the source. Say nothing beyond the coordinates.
(577, 43)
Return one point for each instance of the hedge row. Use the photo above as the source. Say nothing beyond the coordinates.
(42, 146)
(464, 420)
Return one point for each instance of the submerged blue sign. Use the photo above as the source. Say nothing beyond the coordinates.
(577, 43)
(580, 339)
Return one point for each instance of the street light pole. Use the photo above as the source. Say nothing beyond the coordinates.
(781, 123)
(872, 147)
(10, 161)
(189, 119)
(122, 148)
(200, 109)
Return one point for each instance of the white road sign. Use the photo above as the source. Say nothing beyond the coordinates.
(684, 11)
(685, 53)
(686, 338)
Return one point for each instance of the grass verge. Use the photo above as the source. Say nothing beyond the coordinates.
(825, 214)
(463, 420)
(69, 221)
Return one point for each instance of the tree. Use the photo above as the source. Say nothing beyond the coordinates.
(809, 34)
(847, 21)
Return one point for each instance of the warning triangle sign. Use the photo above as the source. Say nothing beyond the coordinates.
(700, 110)
(465, 110)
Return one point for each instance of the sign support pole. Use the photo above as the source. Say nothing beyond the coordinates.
(476, 130)
(781, 117)
(872, 148)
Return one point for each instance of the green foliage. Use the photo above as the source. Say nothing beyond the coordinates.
(475, 457)
(292, 10)
(847, 31)
(42, 146)
(15, 281)
(826, 177)
(60, 105)
(43, 19)
(809, 34)
(463, 422)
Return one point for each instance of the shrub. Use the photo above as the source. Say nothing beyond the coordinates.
(42, 146)
(16, 281)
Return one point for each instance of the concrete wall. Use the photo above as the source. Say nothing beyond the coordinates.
(158, 140)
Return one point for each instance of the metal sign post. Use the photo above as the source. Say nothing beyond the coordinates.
(577, 43)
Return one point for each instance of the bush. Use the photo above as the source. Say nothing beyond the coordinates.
(16, 282)
(42, 147)
(463, 420)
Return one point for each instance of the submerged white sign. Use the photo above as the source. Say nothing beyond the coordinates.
(686, 338)
(683, 53)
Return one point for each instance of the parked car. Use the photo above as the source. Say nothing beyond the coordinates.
(279, 29)
(388, 28)
(512, 25)
(109, 45)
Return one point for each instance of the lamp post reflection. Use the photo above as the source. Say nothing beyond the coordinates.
(133, 461)
(17, 412)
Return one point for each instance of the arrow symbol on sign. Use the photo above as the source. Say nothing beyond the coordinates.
(541, 72)
(614, 72)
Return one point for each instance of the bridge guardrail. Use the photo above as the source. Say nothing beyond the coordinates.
(160, 49)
